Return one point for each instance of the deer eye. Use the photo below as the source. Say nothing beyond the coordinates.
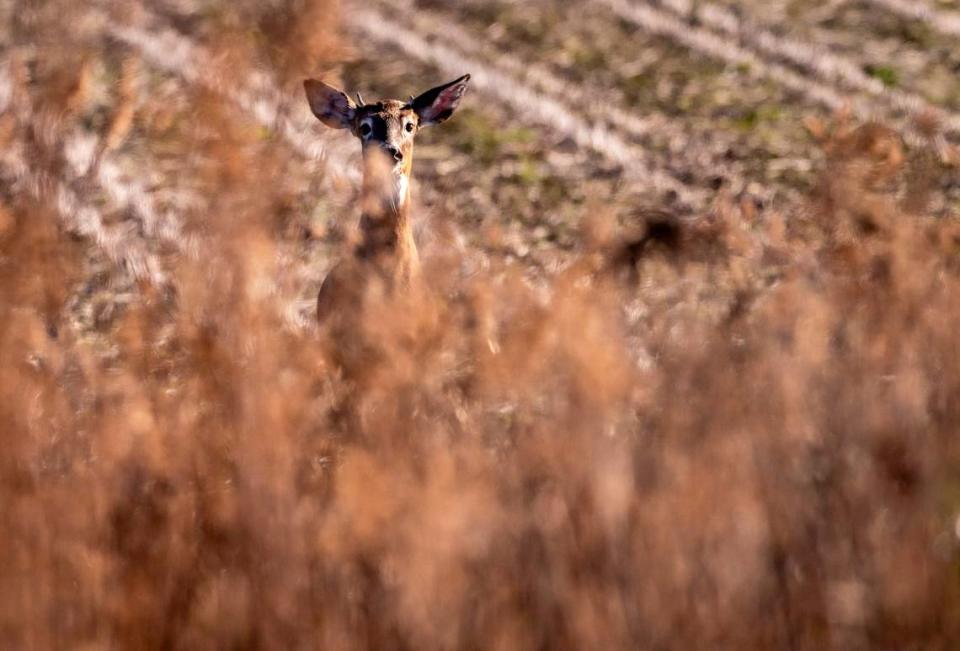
(409, 127)
(365, 129)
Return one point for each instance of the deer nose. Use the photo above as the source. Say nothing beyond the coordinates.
(395, 152)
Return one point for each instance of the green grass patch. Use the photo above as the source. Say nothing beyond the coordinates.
(754, 117)
(885, 74)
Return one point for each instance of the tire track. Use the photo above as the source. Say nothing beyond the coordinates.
(121, 244)
(820, 61)
(939, 20)
(721, 48)
(644, 129)
(87, 160)
(537, 107)
(259, 97)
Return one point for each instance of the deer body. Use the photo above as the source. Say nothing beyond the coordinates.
(387, 252)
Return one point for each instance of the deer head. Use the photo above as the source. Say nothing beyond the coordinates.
(387, 128)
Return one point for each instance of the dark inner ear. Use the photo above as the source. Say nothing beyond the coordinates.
(442, 115)
(330, 105)
(426, 100)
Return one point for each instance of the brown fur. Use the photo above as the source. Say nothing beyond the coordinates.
(387, 249)
(386, 129)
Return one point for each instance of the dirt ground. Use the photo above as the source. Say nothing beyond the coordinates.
(683, 374)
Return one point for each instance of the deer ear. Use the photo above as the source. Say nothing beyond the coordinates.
(438, 104)
(331, 106)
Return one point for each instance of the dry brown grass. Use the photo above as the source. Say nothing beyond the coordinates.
(738, 432)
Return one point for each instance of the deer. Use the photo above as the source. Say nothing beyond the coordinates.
(386, 252)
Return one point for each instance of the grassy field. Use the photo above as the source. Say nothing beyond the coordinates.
(685, 374)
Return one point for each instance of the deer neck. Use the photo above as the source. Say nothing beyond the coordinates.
(385, 229)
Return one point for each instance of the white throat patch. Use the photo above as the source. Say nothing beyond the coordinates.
(401, 184)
